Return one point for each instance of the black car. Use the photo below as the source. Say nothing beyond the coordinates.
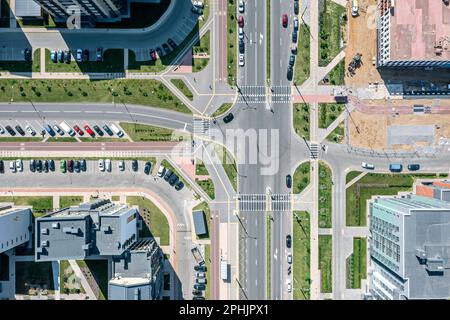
(413, 167)
(296, 7)
(10, 130)
(288, 241)
(148, 166)
(2, 167)
(294, 36)
(32, 165)
(201, 287)
(27, 54)
(288, 181)
(166, 48)
(67, 56)
(98, 130)
(228, 118)
(241, 46)
(83, 165)
(173, 179)
(134, 165)
(20, 130)
(85, 56)
(290, 72)
(39, 165)
(45, 166)
(179, 185)
(196, 292)
(291, 60)
(108, 130)
(76, 166)
(70, 165)
(51, 165)
(168, 174)
(200, 268)
(172, 43)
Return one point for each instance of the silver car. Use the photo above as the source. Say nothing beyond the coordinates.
(241, 6)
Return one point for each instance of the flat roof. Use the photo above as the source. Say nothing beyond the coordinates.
(9, 207)
(131, 281)
(416, 28)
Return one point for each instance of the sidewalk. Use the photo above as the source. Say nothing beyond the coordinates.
(76, 269)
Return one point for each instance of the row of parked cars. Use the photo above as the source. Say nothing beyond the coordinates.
(158, 52)
(81, 55)
(197, 7)
(393, 167)
(294, 37)
(241, 34)
(170, 176)
(64, 128)
(200, 282)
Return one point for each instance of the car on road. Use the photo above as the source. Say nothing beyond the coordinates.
(27, 54)
(290, 72)
(291, 60)
(67, 56)
(413, 167)
(62, 166)
(228, 118)
(30, 130)
(172, 43)
(79, 55)
(366, 165)
(98, 130)
(284, 20)
(166, 48)
(241, 33)
(101, 165)
(288, 181)
(76, 166)
(296, 23)
(121, 165)
(2, 131)
(12, 166)
(85, 55)
(241, 6)
(60, 56)
(241, 46)
(19, 165)
(39, 165)
(288, 241)
(241, 60)
(107, 130)
(200, 287)
(78, 130)
(2, 167)
(10, 130)
(20, 130)
(294, 36)
(108, 166)
(241, 21)
(58, 129)
(168, 174)
(173, 179)
(147, 167)
(161, 171)
(179, 185)
(32, 165)
(153, 56)
(54, 56)
(99, 54)
(45, 165)
(200, 268)
(70, 165)
(134, 165)
(51, 165)
(83, 165)
(296, 7)
(289, 286)
(395, 167)
(289, 258)
(159, 52)
(197, 10)
(89, 131)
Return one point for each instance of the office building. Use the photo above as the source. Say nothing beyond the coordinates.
(95, 229)
(138, 273)
(15, 230)
(409, 248)
(413, 33)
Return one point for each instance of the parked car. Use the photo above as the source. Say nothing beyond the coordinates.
(296, 23)
(108, 166)
(196, 292)
(76, 166)
(288, 241)
(241, 6)
(241, 46)
(121, 165)
(53, 56)
(172, 43)
(200, 275)
(60, 56)
(200, 280)
(228, 118)
(79, 55)
(241, 33)
(200, 268)
(288, 181)
(85, 55)
(289, 286)
(10, 130)
(101, 164)
(290, 72)
(413, 167)
(30, 130)
(107, 130)
(12, 166)
(99, 54)
(116, 130)
(168, 174)
(49, 130)
(27, 54)
(395, 167)
(200, 287)
(153, 56)
(161, 171)
(62, 166)
(179, 185)
(67, 56)
(2, 131)
(39, 165)
(294, 36)
(20, 130)
(284, 20)
(166, 48)
(296, 7)
(45, 165)
(32, 165)
(19, 165)
(366, 165)
(198, 4)
(355, 8)
(134, 165)
(2, 167)
(78, 130)
(83, 165)
(58, 129)
(173, 179)
(241, 21)
(241, 60)
(289, 258)
(291, 60)
(98, 130)
(89, 131)
(294, 49)
(70, 165)
(197, 10)
(147, 167)
(51, 165)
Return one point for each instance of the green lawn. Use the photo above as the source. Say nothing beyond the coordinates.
(325, 254)
(208, 271)
(201, 47)
(41, 204)
(301, 68)
(65, 272)
(200, 168)
(142, 132)
(22, 65)
(231, 40)
(155, 222)
(205, 13)
(336, 75)
(374, 184)
(331, 20)
(129, 91)
(301, 119)
(33, 273)
(228, 164)
(102, 139)
(67, 201)
(115, 198)
(337, 135)
(356, 263)
(20, 139)
(328, 112)
(62, 139)
(183, 88)
(325, 195)
(205, 207)
(222, 110)
(207, 186)
(112, 62)
(351, 175)
(301, 255)
(301, 177)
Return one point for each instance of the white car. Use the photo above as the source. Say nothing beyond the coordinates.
(101, 164)
(295, 23)
(30, 130)
(289, 258)
(354, 8)
(121, 165)
(79, 55)
(241, 33)
(161, 171)
(200, 275)
(241, 60)
(289, 286)
(2, 131)
(58, 129)
(19, 165)
(108, 165)
(12, 166)
(198, 4)
(366, 165)
(241, 6)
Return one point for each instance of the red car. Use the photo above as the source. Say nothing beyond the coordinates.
(153, 54)
(284, 20)
(89, 131)
(78, 130)
(241, 21)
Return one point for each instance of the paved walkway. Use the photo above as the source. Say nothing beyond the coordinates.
(79, 274)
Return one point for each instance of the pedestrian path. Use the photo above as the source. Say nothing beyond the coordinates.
(252, 94)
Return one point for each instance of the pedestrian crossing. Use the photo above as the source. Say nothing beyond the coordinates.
(263, 202)
(252, 94)
(280, 202)
(280, 94)
(201, 126)
(314, 150)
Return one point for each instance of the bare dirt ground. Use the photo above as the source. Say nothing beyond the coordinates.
(373, 128)
(362, 38)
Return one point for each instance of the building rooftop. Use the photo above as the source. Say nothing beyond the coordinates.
(130, 281)
(102, 206)
(7, 208)
(419, 30)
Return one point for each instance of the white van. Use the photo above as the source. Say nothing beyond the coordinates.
(116, 130)
(67, 129)
(108, 165)
(354, 8)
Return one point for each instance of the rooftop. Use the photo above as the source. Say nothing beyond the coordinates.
(417, 28)
(7, 208)
(102, 206)
(131, 281)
